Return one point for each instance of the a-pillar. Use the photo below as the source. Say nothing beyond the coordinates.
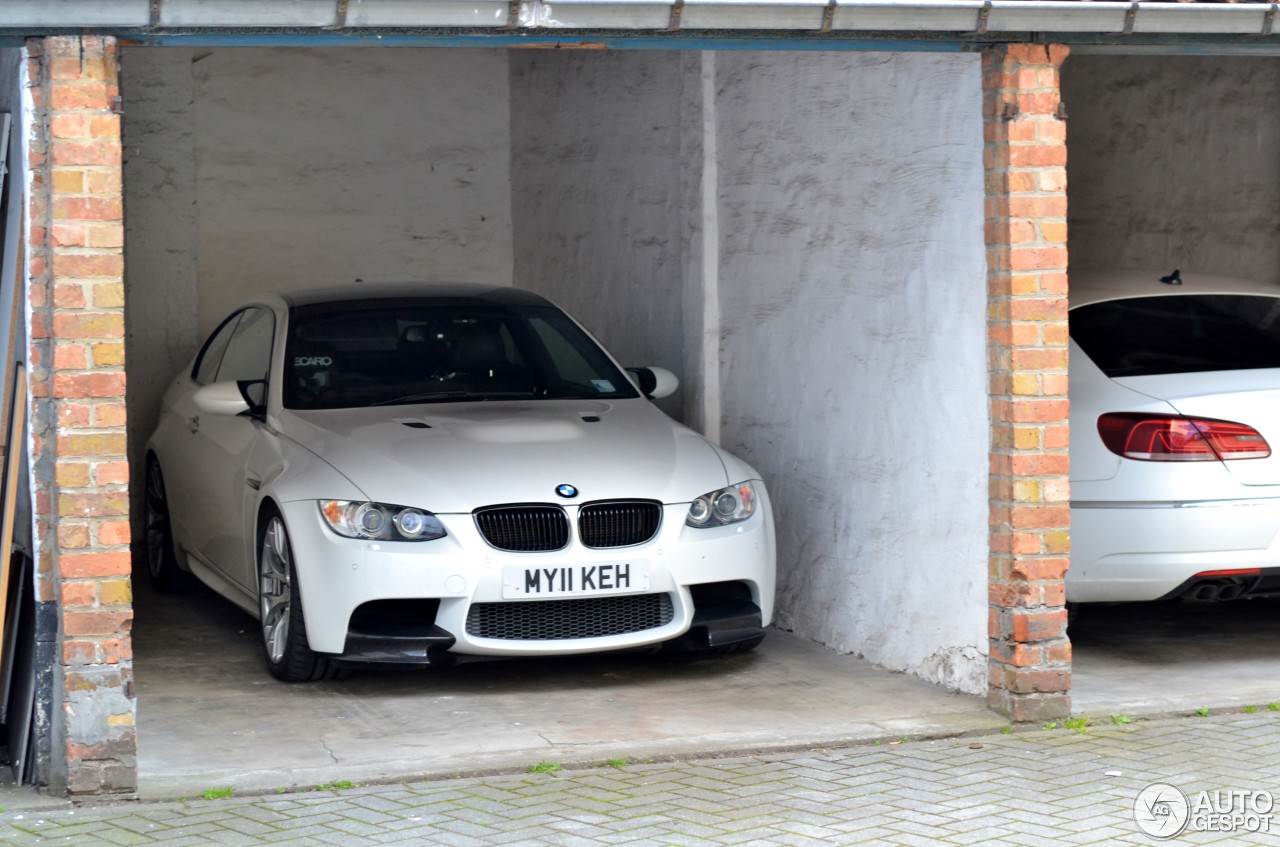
(80, 473)
(1026, 231)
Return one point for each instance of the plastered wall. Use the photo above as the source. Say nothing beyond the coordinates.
(596, 178)
(260, 170)
(1172, 163)
(853, 292)
(839, 197)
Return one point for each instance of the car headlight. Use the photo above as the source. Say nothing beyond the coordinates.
(723, 506)
(380, 521)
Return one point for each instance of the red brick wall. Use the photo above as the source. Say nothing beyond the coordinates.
(81, 475)
(1026, 231)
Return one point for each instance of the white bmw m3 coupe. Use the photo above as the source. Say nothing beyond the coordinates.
(1175, 416)
(403, 475)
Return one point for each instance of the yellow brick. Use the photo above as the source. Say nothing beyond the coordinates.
(108, 354)
(1026, 491)
(72, 474)
(1057, 542)
(108, 295)
(115, 592)
(68, 181)
(1026, 384)
(1026, 437)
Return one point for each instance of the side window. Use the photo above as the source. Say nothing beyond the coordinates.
(248, 354)
(206, 368)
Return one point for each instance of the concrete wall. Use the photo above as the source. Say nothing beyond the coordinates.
(596, 190)
(853, 290)
(838, 198)
(1172, 163)
(261, 170)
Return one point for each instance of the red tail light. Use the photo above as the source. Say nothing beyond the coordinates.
(1177, 439)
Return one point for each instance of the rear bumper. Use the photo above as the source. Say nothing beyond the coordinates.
(1147, 551)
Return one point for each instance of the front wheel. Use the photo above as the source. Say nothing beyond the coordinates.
(284, 630)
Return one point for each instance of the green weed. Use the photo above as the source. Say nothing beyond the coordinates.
(218, 793)
(617, 763)
(1080, 724)
(544, 767)
(1249, 710)
(1006, 730)
(1203, 711)
(1120, 720)
(1050, 725)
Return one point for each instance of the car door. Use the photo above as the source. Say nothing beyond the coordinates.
(184, 464)
(223, 499)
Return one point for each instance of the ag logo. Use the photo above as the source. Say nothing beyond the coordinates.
(1161, 810)
(312, 361)
(566, 491)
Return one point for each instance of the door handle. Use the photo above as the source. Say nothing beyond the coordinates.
(193, 423)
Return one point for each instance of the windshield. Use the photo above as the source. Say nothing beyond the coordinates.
(1184, 333)
(391, 352)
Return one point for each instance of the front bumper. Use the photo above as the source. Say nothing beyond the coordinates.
(1145, 551)
(337, 576)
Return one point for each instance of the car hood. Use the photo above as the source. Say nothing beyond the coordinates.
(452, 458)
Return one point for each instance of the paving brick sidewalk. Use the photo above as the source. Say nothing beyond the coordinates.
(1028, 788)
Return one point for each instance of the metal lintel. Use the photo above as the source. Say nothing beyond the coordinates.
(1269, 19)
(513, 14)
(155, 13)
(657, 39)
(1130, 18)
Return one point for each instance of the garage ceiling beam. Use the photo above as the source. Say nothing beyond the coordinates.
(985, 18)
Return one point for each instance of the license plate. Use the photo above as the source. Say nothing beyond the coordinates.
(576, 580)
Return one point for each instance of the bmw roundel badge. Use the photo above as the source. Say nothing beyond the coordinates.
(567, 491)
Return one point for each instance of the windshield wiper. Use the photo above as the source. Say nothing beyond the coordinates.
(456, 395)
(425, 395)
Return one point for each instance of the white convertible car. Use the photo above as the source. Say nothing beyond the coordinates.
(400, 475)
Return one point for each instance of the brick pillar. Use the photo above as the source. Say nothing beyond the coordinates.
(80, 472)
(1026, 230)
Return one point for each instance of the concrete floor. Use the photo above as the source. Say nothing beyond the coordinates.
(210, 715)
(1151, 658)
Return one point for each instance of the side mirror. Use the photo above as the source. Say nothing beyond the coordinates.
(230, 397)
(654, 383)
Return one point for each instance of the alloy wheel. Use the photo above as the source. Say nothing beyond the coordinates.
(275, 590)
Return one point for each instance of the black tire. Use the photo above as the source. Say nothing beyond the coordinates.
(283, 624)
(162, 559)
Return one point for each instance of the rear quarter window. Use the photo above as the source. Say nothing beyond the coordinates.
(1184, 333)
